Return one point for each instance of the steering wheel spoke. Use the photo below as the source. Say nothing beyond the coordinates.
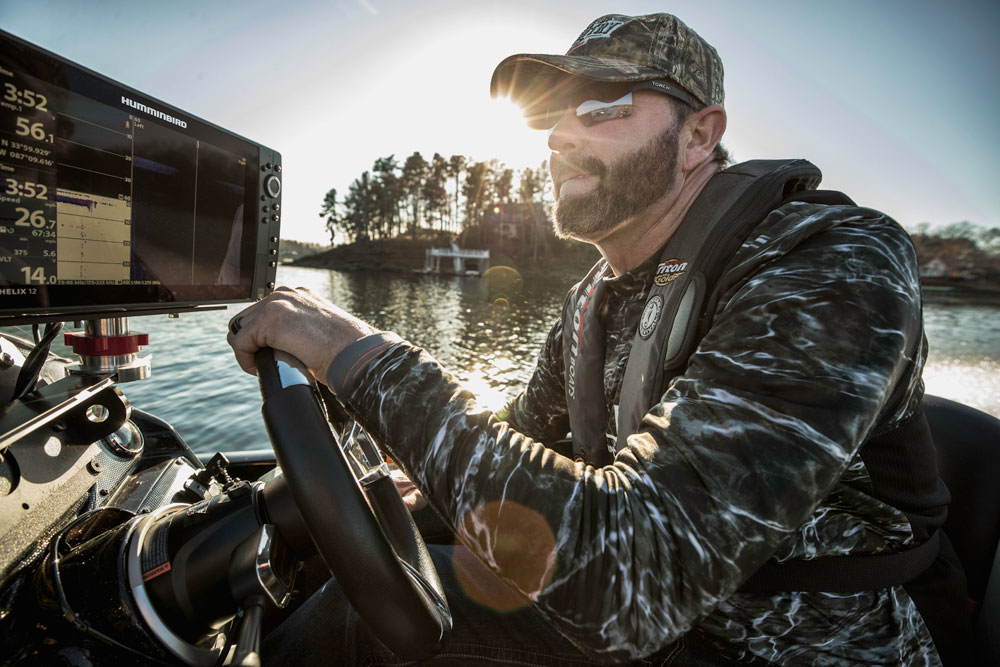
(362, 454)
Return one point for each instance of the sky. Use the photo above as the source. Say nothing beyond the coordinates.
(895, 100)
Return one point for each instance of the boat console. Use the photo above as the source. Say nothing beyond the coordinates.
(116, 541)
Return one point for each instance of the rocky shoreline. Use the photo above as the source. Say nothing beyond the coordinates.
(393, 255)
(946, 292)
(407, 256)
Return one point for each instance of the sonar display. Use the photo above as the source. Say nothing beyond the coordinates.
(93, 238)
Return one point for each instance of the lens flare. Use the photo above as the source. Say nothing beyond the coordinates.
(514, 540)
(501, 285)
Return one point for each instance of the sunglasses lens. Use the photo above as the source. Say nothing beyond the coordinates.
(591, 105)
(597, 111)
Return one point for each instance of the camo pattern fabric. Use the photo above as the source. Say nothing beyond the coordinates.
(619, 48)
(751, 453)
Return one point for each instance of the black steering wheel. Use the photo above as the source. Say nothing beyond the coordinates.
(361, 528)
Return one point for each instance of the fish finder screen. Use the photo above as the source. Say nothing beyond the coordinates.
(108, 197)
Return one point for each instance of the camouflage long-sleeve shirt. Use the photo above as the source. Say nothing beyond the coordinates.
(750, 454)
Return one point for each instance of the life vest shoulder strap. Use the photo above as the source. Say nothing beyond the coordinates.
(731, 205)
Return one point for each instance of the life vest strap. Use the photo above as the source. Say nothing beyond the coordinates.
(845, 574)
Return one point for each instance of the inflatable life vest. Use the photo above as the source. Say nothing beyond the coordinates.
(676, 316)
(680, 300)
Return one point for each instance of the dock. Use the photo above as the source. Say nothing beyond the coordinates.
(462, 260)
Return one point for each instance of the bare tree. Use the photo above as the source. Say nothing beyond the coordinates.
(456, 165)
(504, 184)
(390, 194)
(434, 194)
(476, 190)
(329, 213)
(360, 208)
(412, 179)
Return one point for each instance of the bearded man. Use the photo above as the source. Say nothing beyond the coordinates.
(749, 477)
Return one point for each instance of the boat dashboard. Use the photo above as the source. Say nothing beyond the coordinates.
(118, 541)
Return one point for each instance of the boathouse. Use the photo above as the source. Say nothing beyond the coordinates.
(463, 261)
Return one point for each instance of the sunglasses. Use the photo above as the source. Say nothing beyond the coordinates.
(596, 104)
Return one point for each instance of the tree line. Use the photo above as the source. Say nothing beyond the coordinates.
(961, 250)
(454, 194)
(450, 194)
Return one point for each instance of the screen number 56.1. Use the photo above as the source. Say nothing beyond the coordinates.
(25, 128)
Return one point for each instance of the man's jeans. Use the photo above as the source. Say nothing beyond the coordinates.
(492, 626)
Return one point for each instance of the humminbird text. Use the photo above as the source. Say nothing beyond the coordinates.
(153, 112)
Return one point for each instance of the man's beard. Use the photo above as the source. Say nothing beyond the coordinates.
(624, 189)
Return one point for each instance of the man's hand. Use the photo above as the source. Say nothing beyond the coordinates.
(297, 322)
(412, 497)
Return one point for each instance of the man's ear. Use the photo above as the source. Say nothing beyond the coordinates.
(702, 132)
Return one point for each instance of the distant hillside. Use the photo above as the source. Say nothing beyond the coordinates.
(381, 255)
(407, 255)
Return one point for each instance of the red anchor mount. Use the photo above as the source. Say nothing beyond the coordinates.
(106, 346)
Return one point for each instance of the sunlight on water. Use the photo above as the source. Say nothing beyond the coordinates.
(486, 331)
(487, 394)
(975, 384)
(963, 362)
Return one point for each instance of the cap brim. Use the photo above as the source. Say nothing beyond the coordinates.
(532, 80)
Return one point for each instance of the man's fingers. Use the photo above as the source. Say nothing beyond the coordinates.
(414, 501)
(243, 341)
(408, 491)
(246, 361)
(244, 358)
(297, 322)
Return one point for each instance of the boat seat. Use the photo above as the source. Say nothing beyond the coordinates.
(968, 448)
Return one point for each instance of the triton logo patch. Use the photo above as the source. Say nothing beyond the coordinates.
(650, 316)
(669, 271)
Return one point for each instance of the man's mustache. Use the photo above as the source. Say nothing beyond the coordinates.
(562, 167)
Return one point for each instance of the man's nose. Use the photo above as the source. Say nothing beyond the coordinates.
(564, 136)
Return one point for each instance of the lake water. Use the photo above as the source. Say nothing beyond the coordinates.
(485, 330)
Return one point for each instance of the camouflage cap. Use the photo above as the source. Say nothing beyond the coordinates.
(615, 48)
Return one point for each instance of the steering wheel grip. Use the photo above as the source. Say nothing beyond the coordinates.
(372, 547)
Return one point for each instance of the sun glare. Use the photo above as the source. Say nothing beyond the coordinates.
(484, 35)
(486, 394)
(497, 129)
